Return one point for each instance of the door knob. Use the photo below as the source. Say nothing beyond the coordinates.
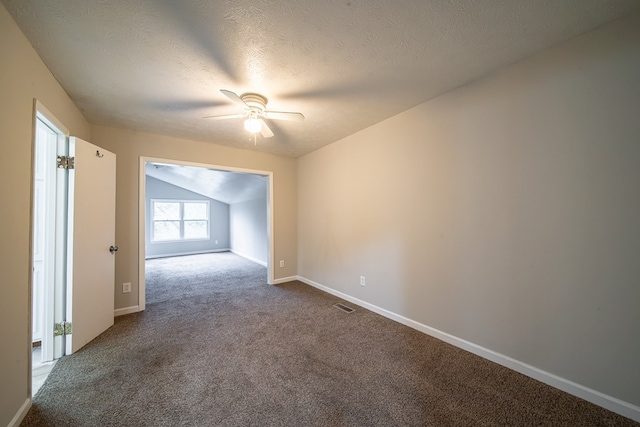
(113, 249)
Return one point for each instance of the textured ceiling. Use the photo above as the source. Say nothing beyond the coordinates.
(159, 65)
(225, 186)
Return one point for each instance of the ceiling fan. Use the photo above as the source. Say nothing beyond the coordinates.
(254, 108)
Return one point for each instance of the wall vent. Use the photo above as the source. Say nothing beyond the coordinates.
(344, 308)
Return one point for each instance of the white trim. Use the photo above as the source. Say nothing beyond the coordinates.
(250, 258)
(127, 310)
(270, 228)
(22, 412)
(142, 206)
(608, 402)
(285, 280)
(208, 251)
(46, 116)
(51, 347)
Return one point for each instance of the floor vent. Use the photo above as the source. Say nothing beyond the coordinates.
(344, 308)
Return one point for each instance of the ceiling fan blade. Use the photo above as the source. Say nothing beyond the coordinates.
(235, 98)
(225, 116)
(265, 130)
(284, 115)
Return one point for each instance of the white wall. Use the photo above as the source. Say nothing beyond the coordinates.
(505, 213)
(248, 224)
(23, 77)
(218, 221)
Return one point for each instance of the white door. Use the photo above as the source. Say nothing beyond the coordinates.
(91, 234)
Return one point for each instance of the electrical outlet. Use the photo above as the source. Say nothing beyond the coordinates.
(216, 242)
(281, 263)
(126, 288)
(362, 281)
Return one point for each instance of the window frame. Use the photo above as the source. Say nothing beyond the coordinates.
(181, 220)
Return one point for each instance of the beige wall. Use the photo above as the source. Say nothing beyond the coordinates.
(505, 213)
(130, 145)
(23, 77)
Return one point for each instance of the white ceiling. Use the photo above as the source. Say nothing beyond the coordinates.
(159, 65)
(225, 186)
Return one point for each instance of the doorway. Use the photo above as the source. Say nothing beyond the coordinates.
(145, 240)
(48, 225)
(72, 243)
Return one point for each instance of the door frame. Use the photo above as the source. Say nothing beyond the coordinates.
(142, 216)
(53, 348)
(44, 232)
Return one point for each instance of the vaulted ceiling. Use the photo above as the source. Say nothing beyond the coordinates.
(226, 186)
(159, 65)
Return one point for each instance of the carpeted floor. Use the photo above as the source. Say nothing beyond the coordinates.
(178, 278)
(217, 346)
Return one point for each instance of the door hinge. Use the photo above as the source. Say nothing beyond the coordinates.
(66, 162)
(62, 328)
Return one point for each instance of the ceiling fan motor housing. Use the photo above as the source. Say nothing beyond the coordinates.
(254, 111)
(256, 102)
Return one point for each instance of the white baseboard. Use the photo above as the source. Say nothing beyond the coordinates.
(209, 251)
(608, 402)
(285, 280)
(250, 258)
(126, 310)
(22, 412)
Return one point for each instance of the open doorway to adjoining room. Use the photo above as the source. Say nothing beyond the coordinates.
(190, 213)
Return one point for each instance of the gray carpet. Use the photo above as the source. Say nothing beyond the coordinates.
(190, 276)
(217, 346)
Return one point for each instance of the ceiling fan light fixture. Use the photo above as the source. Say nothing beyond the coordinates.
(255, 112)
(253, 125)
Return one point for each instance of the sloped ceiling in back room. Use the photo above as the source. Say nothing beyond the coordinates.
(159, 65)
(226, 186)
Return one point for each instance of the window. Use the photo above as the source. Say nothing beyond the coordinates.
(174, 220)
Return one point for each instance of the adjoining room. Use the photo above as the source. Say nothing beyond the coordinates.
(193, 216)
